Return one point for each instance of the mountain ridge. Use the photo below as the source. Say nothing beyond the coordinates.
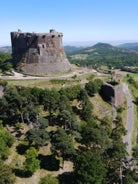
(129, 46)
(104, 54)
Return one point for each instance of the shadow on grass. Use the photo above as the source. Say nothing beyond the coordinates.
(21, 148)
(21, 173)
(67, 178)
(49, 162)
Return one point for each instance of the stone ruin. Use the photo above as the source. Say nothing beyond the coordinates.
(112, 91)
(113, 94)
(39, 53)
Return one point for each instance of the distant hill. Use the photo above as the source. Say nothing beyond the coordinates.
(129, 46)
(71, 49)
(104, 54)
(6, 49)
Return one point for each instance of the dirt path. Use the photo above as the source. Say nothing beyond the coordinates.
(78, 72)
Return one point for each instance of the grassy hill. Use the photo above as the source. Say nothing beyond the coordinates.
(104, 54)
(129, 46)
(70, 49)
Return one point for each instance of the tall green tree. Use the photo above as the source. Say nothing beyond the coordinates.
(51, 101)
(93, 86)
(62, 144)
(6, 141)
(31, 163)
(89, 168)
(38, 137)
(67, 121)
(6, 175)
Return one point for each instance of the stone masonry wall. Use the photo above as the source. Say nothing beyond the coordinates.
(39, 53)
(119, 96)
(113, 94)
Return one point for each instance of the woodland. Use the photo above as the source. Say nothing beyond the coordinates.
(62, 121)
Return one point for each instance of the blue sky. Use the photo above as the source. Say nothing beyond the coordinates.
(78, 20)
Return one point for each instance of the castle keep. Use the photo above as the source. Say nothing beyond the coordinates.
(39, 53)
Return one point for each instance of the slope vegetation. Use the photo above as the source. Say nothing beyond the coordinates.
(104, 54)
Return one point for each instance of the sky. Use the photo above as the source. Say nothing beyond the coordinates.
(78, 20)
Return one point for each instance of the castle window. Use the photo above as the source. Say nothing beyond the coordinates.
(43, 36)
(43, 46)
(53, 36)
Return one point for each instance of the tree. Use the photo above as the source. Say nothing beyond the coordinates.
(6, 141)
(31, 163)
(6, 66)
(38, 137)
(62, 144)
(73, 92)
(6, 175)
(107, 125)
(89, 168)
(129, 177)
(93, 87)
(94, 137)
(113, 162)
(63, 98)
(43, 123)
(49, 179)
(86, 105)
(51, 101)
(67, 121)
(16, 108)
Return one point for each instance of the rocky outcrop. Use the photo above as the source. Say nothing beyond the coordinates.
(39, 53)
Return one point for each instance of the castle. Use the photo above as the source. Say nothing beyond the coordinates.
(39, 53)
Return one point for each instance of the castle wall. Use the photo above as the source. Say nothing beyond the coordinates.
(42, 51)
(1, 91)
(108, 92)
(119, 96)
(113, 94)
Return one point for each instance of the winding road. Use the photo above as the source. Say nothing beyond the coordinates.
(129, 120)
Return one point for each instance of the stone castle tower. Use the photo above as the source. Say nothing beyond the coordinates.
(39, 53)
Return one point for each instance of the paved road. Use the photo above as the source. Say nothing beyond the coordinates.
(129, 120)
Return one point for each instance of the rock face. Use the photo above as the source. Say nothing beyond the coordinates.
(39, 53)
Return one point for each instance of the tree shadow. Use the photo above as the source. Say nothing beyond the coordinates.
(49, 162)
(21, 173)
(67, 178)
(134, 102)
(21, 148)
(52, 119)
(18, 134)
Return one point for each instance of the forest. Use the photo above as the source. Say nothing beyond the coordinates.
(5, 62)
(63, 120)
(48, 127)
